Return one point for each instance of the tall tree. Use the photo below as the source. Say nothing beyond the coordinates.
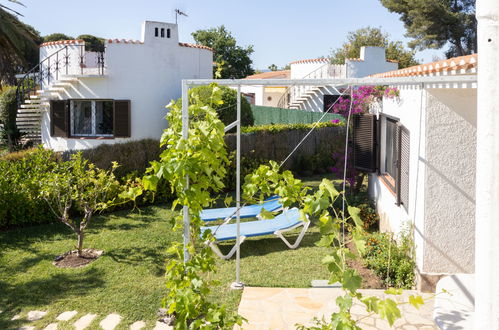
(435, 23)
(56, 37)
(369, 36)
(233, 60)
(18, 44)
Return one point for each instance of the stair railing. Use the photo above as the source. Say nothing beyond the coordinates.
(50, 67)
(286, 97)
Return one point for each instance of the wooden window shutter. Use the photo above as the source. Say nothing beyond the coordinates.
(59, 118)
(403, 149)
(122, 118)
(365, 142)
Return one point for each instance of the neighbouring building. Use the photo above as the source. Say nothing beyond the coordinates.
(317, 98)
(421, 151)
(87, 98)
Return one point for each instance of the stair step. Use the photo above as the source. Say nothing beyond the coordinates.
(28, 114)
(30, 110)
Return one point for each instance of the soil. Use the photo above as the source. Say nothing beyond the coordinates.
(369, 279)
(70, 259)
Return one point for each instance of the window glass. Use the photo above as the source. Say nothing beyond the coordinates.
(162, 32)
(390, 152)
(82, 117)
(168, 33)
(104, 117)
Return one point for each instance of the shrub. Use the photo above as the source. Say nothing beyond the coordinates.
(20, 201)
(227, 110)
(248, 165)
(10, 135)
(392, 261)
(133, 157)
(276, 128)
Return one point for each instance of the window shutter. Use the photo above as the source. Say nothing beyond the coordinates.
(59, 118)
(365, 142)
(122, 118)
(403, 148)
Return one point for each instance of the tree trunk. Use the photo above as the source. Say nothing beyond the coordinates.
(80, 243)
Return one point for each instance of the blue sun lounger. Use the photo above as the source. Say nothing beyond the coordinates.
(288, 220)
(271, 204)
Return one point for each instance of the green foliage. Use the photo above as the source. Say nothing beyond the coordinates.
(369, 36)
(227, 109)
(92, 43)
(79, 186)
(202, 157)
(234, 60)
(392, 261)
(277, 128)
(18, 45)
(268, 180)
(248, 165)
(434, 23)
(56, 37)
(9, 135)
(20, 200)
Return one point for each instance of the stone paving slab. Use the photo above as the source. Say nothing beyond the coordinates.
(84, 321)
(162, 326)
(51, 326)
(66, 316)
(35, 315)
(283, 308)
(138, 325)
(110, 322)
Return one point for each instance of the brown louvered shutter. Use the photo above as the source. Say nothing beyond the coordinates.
(403, 149)
(365, 142)
(59, 118)
(122, 118)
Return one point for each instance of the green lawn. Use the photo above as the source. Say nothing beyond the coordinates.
(128, 278)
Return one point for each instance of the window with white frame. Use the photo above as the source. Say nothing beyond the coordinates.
(91, 117)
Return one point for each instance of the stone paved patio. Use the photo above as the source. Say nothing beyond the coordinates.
(282, 308)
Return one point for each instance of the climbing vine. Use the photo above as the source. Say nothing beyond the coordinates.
(202, 157)
(337, 231)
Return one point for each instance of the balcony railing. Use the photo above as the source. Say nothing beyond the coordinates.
(67, 61)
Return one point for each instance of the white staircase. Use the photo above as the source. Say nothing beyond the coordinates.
(30, 112)
(311, 97)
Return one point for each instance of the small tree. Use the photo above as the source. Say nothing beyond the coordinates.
(77, 190)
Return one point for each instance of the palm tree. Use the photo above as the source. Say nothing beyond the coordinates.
(18, 44)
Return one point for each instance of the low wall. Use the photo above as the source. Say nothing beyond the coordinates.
(277, 146)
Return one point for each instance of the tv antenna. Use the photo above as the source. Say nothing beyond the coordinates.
(179, 13)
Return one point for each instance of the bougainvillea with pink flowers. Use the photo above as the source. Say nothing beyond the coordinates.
(362, 97)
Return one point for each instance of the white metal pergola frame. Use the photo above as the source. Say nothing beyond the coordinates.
(442, 81)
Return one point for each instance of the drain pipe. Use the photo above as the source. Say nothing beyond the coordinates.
(487, 168)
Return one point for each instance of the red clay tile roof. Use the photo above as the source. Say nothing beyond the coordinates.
(461, 63)
(62, 42)
(123, 41)
(314, 60)
(184, 44)
(283, 74)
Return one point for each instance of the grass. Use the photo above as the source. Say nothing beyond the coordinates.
(128, 278)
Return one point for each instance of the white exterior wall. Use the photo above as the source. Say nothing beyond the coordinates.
(72, 51)
(372, 60)
(148, 74)
(442, 126)
(411, 112)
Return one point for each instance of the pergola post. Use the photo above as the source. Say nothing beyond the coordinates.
(185, 135)
(487, 168)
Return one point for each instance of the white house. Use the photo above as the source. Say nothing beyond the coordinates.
(421, 150)
(89, 98)
(317, 98)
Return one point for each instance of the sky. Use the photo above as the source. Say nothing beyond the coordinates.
(280, 31)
